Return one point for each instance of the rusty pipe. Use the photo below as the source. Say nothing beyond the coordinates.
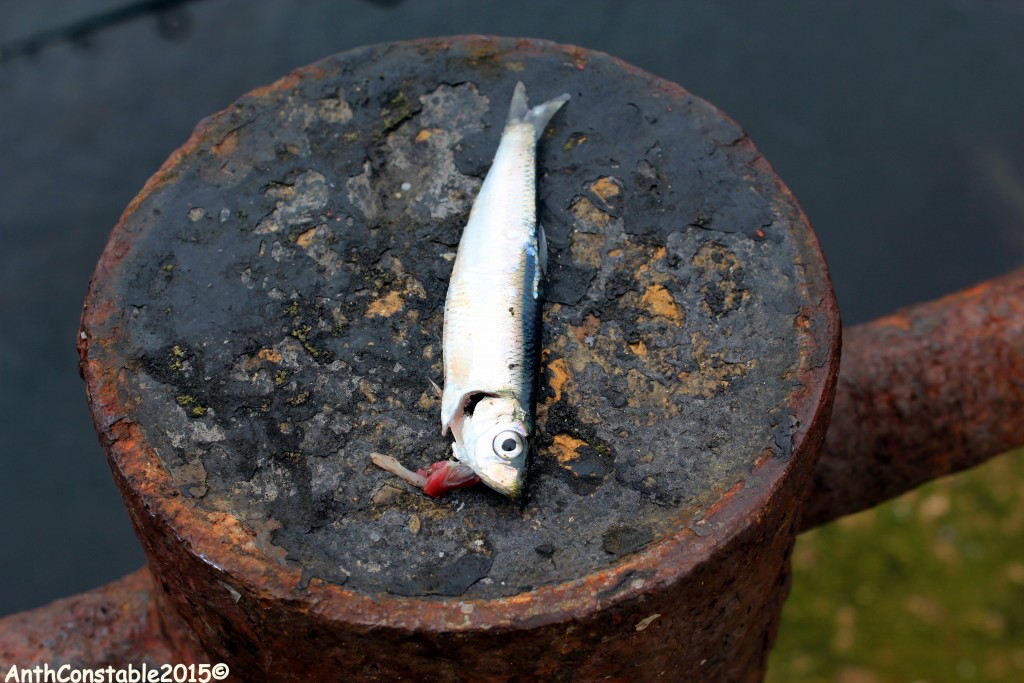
(932, 389)
(113, 625)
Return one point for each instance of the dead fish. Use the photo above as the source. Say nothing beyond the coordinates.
(492, 318)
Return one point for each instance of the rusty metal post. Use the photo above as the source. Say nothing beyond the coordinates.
(264, 316)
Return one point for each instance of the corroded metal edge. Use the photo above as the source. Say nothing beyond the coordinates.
(170, 528)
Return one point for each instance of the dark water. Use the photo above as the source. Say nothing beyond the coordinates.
(897, 125)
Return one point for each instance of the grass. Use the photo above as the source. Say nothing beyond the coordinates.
(928, 588)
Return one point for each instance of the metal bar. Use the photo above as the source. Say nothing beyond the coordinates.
(113, 625)
(930, 390)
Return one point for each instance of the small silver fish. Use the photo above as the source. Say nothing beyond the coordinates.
(492, 321)
(492, 311)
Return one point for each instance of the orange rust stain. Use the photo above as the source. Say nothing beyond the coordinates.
(586, 248)
(659, 301)
(713, 256)
(642, 271)
(269, 355)
(591, 324)
(615, 253)
(306, 238)
(725, 498)
(895, 320)
(766, 457)
(386, 306)
(638, 347)
(282, 85)
(580, 57)
(606, 188)
(426, 133)
(585, 210)
(227, 146)
(652, 395)
(977, 290)
(513, 602)
(560, 374)
(230, 529)
(713, 374)
(697, 384)
(565, 447)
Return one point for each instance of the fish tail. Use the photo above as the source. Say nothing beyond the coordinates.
(538, 117)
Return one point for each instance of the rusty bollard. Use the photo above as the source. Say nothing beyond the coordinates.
(268, 312)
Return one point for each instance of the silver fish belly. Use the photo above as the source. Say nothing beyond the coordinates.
(492, 310)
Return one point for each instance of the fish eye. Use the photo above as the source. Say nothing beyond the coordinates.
(508, 444)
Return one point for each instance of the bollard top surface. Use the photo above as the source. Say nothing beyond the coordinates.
(268, 313)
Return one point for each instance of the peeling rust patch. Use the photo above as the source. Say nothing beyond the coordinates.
(659, 301)
(559, 376)
(565, 447)
(386, 306)
(585, 209)
(270, 355)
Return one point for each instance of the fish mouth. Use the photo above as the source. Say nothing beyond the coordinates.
(504, 479)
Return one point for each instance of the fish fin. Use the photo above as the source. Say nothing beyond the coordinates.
(459, 451)
(542, 249)
(519, 107)
(519, 110)
(453, 413)
(454, 403)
